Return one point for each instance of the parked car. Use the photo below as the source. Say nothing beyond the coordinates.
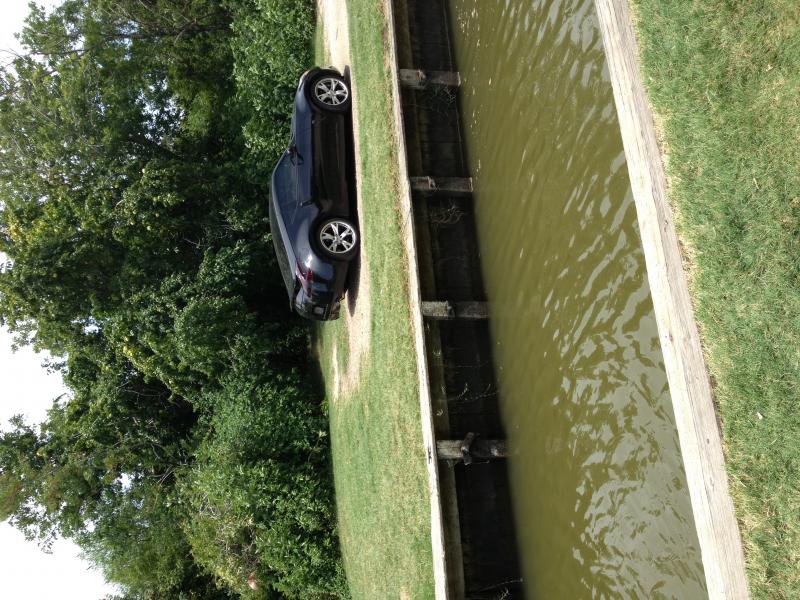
(311, 208)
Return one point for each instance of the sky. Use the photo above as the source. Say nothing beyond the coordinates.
(26, 388)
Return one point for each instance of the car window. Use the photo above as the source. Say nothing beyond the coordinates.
(280, 249)
(285, 182)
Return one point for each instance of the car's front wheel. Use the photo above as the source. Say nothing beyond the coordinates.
(338, 238)
(331, 92)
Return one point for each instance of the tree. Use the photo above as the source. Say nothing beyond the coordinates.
(134, 220)
(114, 171)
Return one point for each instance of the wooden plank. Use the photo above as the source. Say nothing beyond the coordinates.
(419, 79)
(690, 390)
(438, 310)
(447, 185)
(448, 494)
(445, 310)
(444, 78)
(451, 521)
(471, 310)
(480, 449)
(412, 78)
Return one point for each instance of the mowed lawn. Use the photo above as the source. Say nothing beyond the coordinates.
(368, 360)
(724, 78)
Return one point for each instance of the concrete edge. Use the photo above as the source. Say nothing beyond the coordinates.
(692, 398)
(409, 240)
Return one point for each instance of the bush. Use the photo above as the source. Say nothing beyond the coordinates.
(260, 494)
(271, 49)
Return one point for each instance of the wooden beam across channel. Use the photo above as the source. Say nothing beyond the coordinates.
(471, 449)
(446, 310)
(444, 185)
(419, 79)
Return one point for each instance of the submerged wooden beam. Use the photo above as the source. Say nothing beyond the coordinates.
(447, 185)
(690, 389)
(419, 79)
(445, 310)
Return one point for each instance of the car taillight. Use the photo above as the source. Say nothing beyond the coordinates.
(306, 279)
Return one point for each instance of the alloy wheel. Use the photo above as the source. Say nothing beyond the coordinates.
(331, 91)
(338, 237)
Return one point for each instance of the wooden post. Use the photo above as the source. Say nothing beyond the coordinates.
(473, 447)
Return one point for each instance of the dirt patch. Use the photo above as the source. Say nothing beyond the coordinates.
(333, 14)
(357, 316)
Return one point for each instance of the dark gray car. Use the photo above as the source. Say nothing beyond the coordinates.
(311, 206)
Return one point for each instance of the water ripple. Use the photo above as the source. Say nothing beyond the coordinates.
(599, 489)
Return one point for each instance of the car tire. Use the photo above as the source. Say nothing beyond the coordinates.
(337, 238)
(330, 92)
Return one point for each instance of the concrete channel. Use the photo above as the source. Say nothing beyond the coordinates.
(473, 533)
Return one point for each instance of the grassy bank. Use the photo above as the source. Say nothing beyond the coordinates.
(724, 80)
(368, 358)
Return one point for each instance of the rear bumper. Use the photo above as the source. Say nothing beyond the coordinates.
(320, 308)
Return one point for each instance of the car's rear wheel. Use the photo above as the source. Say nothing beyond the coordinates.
(331, 92)
(338, 238)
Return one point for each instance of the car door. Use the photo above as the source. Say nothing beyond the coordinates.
(301, 214)
(330, 175)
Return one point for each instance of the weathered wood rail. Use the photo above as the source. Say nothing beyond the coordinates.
(455, 310)
(446, 185)
(473, 535)
(419, 79)
(470, 449)
(690, 389)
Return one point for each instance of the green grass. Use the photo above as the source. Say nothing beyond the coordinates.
(724, 79)
(379, 464)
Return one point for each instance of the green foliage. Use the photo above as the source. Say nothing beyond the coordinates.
(261, 485)
(106, 188)
(267, 80)
(190, 453)
(140, 537)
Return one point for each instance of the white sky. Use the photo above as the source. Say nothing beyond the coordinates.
(26, 572)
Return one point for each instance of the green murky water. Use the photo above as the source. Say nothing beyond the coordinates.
(600, 496)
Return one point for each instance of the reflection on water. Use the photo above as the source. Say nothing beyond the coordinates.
(599, 490)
